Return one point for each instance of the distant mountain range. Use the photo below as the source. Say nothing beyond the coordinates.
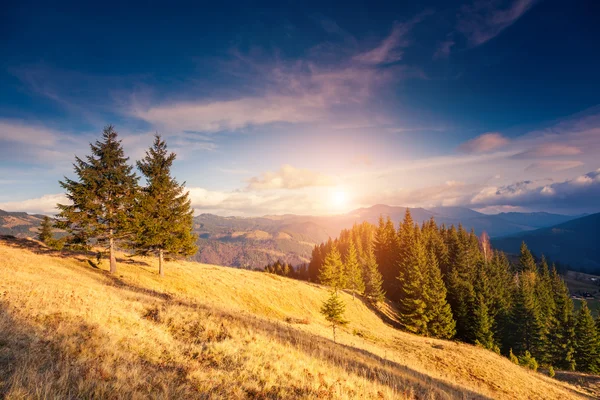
(254, 242)
(576, 243)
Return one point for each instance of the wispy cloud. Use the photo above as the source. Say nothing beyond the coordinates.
(483, 20)
(288, 177)
(485, 143)
(444, 48)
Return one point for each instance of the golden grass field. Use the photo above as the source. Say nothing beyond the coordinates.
(70, 330)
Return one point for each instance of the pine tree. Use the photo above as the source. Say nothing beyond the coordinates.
(526, 261)
(163, 215)
(332, 273)
(586, 341)
(412, 304)
(354, 280)
(103, 196)
(482, 324)
(561, 332)
(526, 328)
(373, 279)
(333, 310)
(440, 323)
(45, 234)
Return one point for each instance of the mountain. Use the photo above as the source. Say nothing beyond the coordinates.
(255, 242)
(19, 224)
(535, 219)
(575, 242)
(71, 330)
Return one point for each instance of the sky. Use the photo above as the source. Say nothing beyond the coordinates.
(311, 107)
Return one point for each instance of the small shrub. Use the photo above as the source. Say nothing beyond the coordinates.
(551, 372)
(528, 361)
(293, 320)
(513, 358)
(152, 314)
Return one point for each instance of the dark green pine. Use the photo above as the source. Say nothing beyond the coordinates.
(163, 214)
(45, 234)
(440, 323)
(586, 341)
(101, 197)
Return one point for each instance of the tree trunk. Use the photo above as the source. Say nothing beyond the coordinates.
(160, 263)
(113, 260)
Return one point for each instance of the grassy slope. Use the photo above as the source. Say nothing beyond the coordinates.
(70, 330)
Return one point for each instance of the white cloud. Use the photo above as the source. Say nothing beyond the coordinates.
(288, 177)
(43, 205)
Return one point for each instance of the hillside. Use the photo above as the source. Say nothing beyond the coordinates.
(70, 330)
(574, 242)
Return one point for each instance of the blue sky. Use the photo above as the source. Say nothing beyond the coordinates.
(313, 108)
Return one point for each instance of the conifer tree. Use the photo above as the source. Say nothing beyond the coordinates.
(561, 332)
(586, 341)
(45, 234)
(372, 278)
(526, 261)
(332, 273)
(333, 310)
(412, 304)
(482, 324)
(102, 197)
(163, 214)
(526, 328)
(440, 323)
(354, 279)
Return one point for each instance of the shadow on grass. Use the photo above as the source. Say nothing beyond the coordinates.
(399, 378)
(39, 248)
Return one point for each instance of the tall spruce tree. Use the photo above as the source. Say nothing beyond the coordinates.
(102, 197)
(412, 304)
(586, 341)
(332, 272)
(526, 260)
(45, 234)
(561, 331)
(440, 323)
(163, 214)
(354, 279)
(482, 324)
(372, 278)
(527, 329)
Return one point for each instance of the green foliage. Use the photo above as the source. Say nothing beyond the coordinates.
(528, 361)
(372, 279)
(413, 281)
(482, 324)
(332, 273)
(561, 330)
(513, 358)
(163, 212)
(354, 279)
(333, 309)
(586, 341)
(527, 329)
(526, 261)
(551, 372)
(102, 197)
(440, 323)
(45, 233)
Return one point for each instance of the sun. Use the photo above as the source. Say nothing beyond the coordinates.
(339, 199)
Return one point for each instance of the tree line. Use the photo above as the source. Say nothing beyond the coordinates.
(448, 283)
(108, 206)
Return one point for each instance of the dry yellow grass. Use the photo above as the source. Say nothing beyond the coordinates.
(68, 330)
